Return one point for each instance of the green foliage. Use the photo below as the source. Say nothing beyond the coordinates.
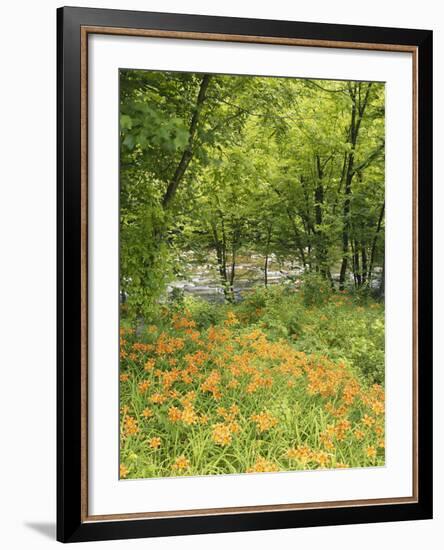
(204, 313)
(331, 323)
(206, 338)
(345, 331)
(367, 352)
(315, 289)
(238, 178)
(252, 164)
(145, 261)
(277, 309)
(333, 326)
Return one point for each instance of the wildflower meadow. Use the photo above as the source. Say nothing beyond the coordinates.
(220, 390)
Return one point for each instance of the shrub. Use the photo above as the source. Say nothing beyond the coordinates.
(367, 353)
(315, 289)
(277, 308)
(204, 313)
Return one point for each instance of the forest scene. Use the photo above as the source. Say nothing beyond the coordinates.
(252, 216)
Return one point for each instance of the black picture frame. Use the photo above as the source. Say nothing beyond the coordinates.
(71, 523)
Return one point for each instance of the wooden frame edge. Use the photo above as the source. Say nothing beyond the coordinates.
(84, 271)
(85, 30)
(250, 509)
(251, 39)
(415, 242)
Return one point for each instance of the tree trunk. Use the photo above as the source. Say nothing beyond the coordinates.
(364, 263)
(322, 249)
(267, 247)
(359, 105)
(382, 285)
(356, 266)
(230, 295)
(308, 224)
(234, 248)
(187, 155)
(346, 225)
(375, 239)
(221, 257)
(297, 235)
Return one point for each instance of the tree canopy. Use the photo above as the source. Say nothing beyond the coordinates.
(224, 165)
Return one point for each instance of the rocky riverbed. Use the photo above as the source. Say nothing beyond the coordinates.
(203, 280)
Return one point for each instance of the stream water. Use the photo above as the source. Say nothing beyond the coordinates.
(203, 280)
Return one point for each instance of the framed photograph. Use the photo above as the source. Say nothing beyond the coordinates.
(244, 274)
